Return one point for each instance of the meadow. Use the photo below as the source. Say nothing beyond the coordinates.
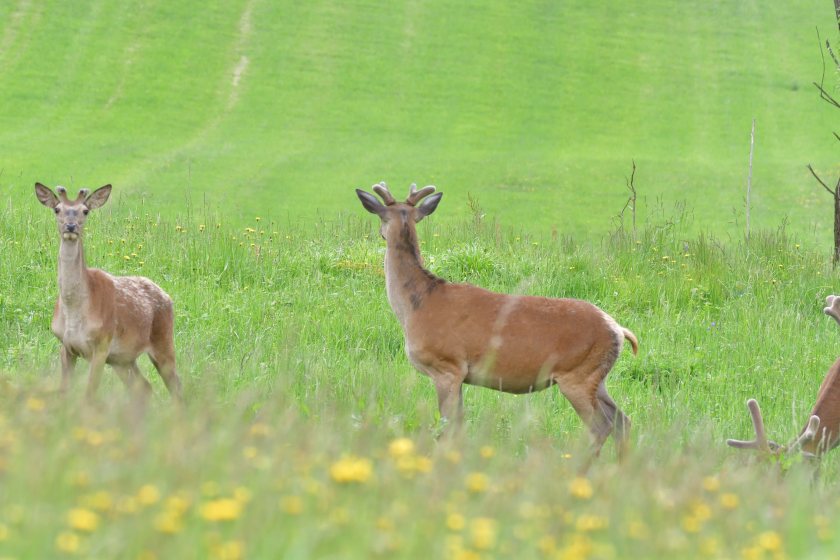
(234, 135)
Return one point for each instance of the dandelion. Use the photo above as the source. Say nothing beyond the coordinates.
(400, 447)
(259, 430)
(101, 501)
(483, 532)
(455, 522)
(231, 550)
(770, 541)
(487, 451)
(223, 509)
(351, 469)
(477, 482)
(148, 495)
(83, 519)
(587, 523)
(35, 404)
(729, 500)
(292, 505)
(68, 542)
(581, 488)
(169, 522)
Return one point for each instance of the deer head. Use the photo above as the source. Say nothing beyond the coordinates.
(70, 215)
(398, 214)
(769, 447)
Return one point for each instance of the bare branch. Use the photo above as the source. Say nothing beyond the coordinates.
(820, 181)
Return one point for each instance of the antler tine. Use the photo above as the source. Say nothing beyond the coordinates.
(809, 433)
(832, 308)
(382, 190)
(62, 194)
(760, 442)
(415, 196)
(83, 194)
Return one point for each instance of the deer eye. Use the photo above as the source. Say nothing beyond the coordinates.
(56, 210)
(85, 211)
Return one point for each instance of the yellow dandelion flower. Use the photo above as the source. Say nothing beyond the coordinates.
(400, 447)
(770, 541)
(250, 452)
(487, 451)
(223, 509)
(351, 469)
(483, 531)
(101, 501)
(148, 495)
(177, 504)
(477, 482)
(35, 404)
(711, 484)
(68, 542)
(259, 430)
(587, 522)
(581, 488)
(293, 505)
(231, 550)
(453, 456)
(83, 519)
(729, 500)
(169, 522)
(455, 522)
(691, 524)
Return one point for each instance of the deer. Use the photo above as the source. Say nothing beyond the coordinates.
(822, 431)
(460, 334)
(103, 318)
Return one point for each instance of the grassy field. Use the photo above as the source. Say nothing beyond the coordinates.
(541, 105)
(234, 135)
(307, 433)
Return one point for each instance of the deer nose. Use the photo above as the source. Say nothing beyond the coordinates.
(70, 228)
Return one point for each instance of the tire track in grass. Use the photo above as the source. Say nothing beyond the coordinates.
(233, 81)
(13, 37)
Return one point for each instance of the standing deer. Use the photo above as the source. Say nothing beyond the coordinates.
(104, 318)
(459, 333)
(822, 432)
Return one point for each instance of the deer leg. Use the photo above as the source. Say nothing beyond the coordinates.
(165, 366)
(617, 419)
(68, 366)
(133, 380)
(450, 399)
(97, 364)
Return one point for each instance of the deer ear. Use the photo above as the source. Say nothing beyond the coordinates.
(98, 198)
(428, 206)
(46, 196)
(370, 203)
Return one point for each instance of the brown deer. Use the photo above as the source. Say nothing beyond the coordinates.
(822, 432)
(459, 333)
(104, 318)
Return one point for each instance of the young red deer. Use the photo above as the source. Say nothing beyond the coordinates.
(104, 318)
(822, 433)
(458, 333)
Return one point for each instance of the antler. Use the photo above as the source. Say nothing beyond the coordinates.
(414, 196)
(382, 190)
(832, 308)
(62, 194)
(811, 431)
(760, 443)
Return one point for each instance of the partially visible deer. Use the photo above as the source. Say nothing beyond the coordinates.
(104, 318)
(822, 432)
(459, 333)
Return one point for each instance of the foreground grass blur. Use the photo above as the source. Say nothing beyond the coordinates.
(307, 433)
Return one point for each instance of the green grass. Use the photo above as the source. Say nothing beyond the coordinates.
(287, 328)
(536, 108)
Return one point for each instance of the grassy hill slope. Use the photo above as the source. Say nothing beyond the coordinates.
(537, 109)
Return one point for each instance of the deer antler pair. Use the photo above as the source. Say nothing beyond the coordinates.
(62, 194)
(414, 196)
(764, 445)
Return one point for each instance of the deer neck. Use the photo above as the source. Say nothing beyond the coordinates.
(72, 274)
(406, 281)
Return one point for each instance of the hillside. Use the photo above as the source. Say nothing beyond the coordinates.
(537, 110)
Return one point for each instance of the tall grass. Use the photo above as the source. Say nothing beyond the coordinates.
(292, 360)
